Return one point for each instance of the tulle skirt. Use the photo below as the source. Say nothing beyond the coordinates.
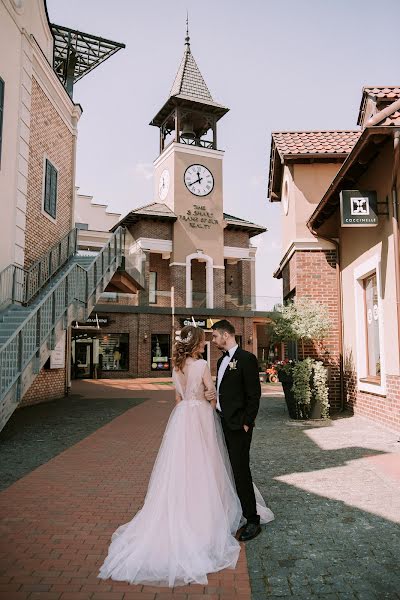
(191, 511)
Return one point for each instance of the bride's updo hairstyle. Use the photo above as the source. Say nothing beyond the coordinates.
(187, 345)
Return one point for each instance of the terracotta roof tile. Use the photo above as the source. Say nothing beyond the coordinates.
(391, 92)
(314, 142)
(393, 120)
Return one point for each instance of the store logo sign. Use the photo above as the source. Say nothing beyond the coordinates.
(358, 208)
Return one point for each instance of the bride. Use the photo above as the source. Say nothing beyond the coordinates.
(191, 511)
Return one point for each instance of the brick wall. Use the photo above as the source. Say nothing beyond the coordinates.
(178, 280)
(238, 239)
(161, 266)
(219, 288)
(149, 228)
(49, 137)
(48, 385)
(313, 275)
(383, 409)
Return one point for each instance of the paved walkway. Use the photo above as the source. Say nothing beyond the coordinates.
(334, 488)
(56, 522)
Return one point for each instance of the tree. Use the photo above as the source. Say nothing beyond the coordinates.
(301, 320)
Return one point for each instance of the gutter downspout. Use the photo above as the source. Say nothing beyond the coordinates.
(395, 224)
(340, 310)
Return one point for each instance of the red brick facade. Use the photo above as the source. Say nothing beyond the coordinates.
(49, 138)
(312, 274)
(383, 409)
(50, 384)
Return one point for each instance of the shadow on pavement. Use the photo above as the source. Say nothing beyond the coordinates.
(320, 546)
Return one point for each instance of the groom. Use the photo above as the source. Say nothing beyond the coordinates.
(238, 401)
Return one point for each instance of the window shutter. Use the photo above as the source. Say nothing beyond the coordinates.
(50, 191)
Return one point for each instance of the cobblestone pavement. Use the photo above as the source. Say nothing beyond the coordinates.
(335, 490)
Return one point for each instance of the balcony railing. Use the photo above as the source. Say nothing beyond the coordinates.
(22, 285)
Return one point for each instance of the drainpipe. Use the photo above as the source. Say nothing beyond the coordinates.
(395, 225)
(340, 312)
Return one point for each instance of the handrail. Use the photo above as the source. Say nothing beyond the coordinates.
(22, 285)
(77, 285)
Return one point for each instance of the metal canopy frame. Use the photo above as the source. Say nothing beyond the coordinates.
(77, 53)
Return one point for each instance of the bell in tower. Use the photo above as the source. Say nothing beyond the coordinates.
(190, 114)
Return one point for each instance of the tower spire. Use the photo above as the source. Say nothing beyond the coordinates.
(187, 38)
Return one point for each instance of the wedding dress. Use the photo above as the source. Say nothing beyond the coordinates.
(191, 511)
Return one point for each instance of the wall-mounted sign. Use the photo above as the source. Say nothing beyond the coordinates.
(92, 321)
(199, 217)
(57, 357)
(358, 208)
(189, 321)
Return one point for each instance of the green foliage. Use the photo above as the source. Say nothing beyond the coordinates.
(301, 320)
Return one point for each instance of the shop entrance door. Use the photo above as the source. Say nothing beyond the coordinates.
(83, 359)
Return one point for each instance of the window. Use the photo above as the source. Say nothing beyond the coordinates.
(1, 112)
(50, 190)
(114, 352)
(153, 287)
(368, 322)
(160, 352)
(371, 316)
(238, 339)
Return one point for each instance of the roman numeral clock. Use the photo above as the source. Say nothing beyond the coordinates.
(199, 180)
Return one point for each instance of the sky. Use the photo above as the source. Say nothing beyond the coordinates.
(278, 65)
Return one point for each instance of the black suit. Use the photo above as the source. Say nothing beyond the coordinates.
(239, 398)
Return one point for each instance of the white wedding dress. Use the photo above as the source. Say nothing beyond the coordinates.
(191, 511)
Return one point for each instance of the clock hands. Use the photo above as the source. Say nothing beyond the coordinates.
(197, 181)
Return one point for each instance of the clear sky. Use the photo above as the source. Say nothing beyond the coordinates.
(277, 64)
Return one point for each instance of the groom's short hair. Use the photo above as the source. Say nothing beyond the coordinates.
(224, 325)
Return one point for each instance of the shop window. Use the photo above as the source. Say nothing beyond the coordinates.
(153, 287)
(1, 112)
(50, 189)
(371, 317)
(238, 339)
(114, 352)
(160, 352)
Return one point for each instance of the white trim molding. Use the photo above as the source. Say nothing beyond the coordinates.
(302, 244)
(154, 245)
(363, 270)
(240, 253)
(186, 149)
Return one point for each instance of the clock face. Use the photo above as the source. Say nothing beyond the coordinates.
(163, 185)
(199, 180)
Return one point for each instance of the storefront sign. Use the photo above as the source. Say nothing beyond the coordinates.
(191, 321)
(358, 208)
(94, 320)
(57, 357)
(199, 217)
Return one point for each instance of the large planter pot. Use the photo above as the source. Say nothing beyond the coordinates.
(287, 384)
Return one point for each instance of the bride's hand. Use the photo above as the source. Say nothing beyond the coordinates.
(213, 404)
(210, 395)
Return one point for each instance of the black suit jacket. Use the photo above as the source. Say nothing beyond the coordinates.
(240, 390)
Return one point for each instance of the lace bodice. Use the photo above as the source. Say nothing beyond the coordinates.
(193, 381)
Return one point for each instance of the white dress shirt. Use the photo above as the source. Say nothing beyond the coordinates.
(221, 371)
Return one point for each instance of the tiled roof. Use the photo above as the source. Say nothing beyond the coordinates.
(155, 209)
(189, 81)
(243, 224)
(390, 92)
(314, 142)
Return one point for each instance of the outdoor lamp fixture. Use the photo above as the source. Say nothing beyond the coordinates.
(230, 280)
(250, 340)
(145, 336)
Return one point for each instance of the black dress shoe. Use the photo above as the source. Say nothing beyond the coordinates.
(251, 531)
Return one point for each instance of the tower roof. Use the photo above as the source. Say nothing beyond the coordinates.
(189, 88)
(189, 81)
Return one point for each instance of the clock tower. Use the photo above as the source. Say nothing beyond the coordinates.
(188, 176)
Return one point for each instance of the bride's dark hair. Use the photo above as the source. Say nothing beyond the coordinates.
(187, 345)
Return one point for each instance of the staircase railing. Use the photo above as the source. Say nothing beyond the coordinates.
(77, 286)
(22, 285)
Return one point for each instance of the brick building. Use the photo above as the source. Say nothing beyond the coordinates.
(349, 262)
(197, 261)
(39, 64)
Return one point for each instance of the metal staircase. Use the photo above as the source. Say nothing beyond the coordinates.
(40, 303)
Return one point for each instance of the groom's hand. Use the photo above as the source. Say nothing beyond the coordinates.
(246, 428)
(210, 395)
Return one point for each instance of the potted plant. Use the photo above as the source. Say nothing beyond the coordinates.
(304, 381)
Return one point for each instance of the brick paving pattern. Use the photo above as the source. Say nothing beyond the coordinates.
(56, 522)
